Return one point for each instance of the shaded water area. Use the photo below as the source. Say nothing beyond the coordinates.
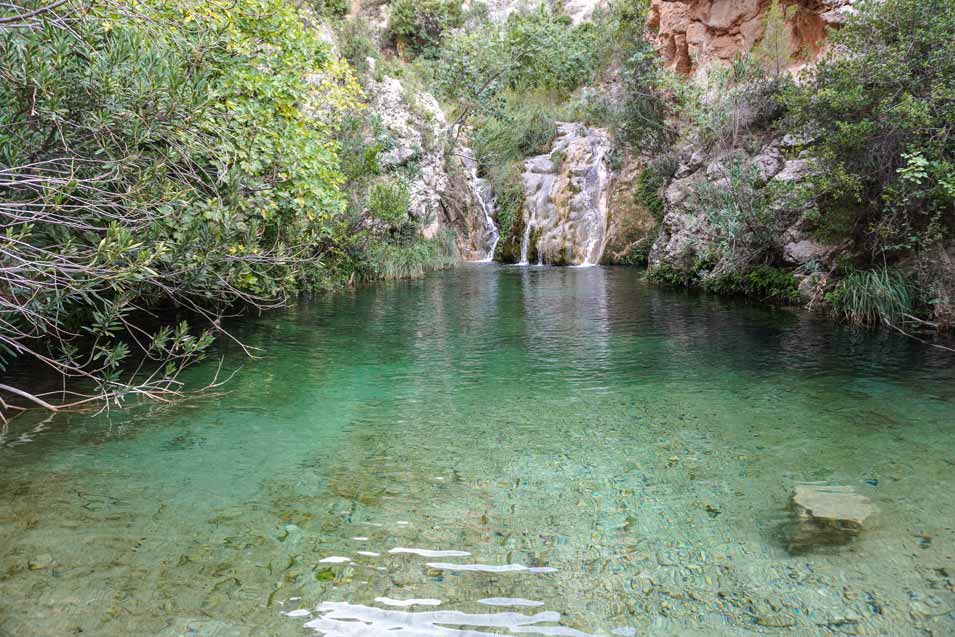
(498, 450)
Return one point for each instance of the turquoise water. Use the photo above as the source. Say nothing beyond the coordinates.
(499, 450)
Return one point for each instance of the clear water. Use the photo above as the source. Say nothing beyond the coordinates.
(583, 454)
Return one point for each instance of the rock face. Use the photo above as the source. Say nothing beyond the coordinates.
(687, 237)
(692, 34)
(936, 273)
(469, 207)
(444, 191)
(411, 134)
(630, 226)
(566, 199)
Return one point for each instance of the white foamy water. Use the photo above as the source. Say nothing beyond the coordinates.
(335, 559)
(491, 568)
(368, 553)
(428, 552)
(485, 198)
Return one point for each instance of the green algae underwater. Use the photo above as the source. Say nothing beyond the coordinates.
(497, 451)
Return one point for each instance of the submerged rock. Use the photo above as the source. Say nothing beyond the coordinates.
(838, 506)
(566, 199)
(828, 515)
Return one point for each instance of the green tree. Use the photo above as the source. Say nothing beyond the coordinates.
(774, 50)
(417, 27)
(166, 154)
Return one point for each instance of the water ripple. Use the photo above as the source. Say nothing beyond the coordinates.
(342, 619)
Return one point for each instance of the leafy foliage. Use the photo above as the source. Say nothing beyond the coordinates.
(882, 109)
(417, 27)
(175, 154)
(389, 202)
(737, 104)
(331, 8)
(774, 51)
(357, 44)
(741, 210)
(538, 51)
(521, 128)
(650, 95)
(650, 184)
(765, 283)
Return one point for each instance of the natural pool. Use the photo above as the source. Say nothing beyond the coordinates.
(566, 452)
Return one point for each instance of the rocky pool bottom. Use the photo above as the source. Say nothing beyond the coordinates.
(500, 451)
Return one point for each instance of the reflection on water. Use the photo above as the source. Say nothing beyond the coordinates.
(347, 620)
(499, 451)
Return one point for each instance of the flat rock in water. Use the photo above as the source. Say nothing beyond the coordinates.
(837, 506)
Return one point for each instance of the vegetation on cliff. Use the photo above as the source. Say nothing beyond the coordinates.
(870, 157)
(880, 112)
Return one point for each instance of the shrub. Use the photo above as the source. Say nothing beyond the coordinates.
(520, 129)
(547, 52)
(508, 187)
(774, 51)
(390, 261)
(736, 103)
(740, 209)
(880, 108)
(356, 43)
(330, 8)
(534, 52)
(870, 297)
(389, 201)
(417, 27)
(667, 275)
(642, 120)
(650, 184)
(765, 283)
(162, 155)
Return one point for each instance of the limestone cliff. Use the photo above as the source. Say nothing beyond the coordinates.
(442, 186)
(566, 199)
(688, 241)
(630, 225)
(692, 34)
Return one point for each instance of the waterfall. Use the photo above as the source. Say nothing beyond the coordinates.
(525, 241)
(485, 198)
(566, 197)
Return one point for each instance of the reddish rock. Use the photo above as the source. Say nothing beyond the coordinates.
(691, 34)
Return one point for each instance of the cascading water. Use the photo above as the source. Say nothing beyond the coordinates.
(485, 198)
(526, 240)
